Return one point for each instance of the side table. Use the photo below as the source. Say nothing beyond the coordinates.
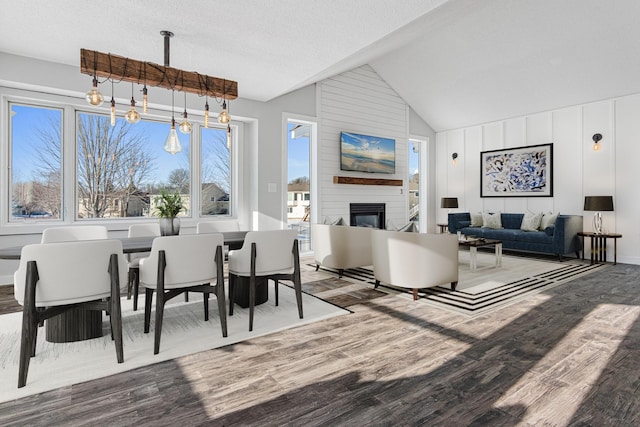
(599, 246)
(443, 227)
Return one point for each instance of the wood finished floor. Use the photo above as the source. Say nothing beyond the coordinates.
(569, 356)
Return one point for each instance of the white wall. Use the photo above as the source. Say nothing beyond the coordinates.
(360, 101)
(578, 170)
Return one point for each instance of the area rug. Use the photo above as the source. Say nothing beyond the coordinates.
(184, 332)
(489, 287)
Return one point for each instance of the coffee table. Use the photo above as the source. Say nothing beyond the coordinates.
(473, 243)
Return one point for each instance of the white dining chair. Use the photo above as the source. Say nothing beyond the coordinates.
(73, 233)
(179, 264)
(50, 281)
(218, 227)
(271, 254)
(138, 230)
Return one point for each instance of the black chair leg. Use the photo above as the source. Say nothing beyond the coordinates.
(129, 283)
(205, 297)
(115, 309)
(276, 280)
(232, 292)
(148, 298)
(298, 288)
(136, 286)
(252, 300)
(29, 324)
(222, 308)
(158, 325)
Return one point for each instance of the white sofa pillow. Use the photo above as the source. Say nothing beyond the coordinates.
(548, 220)
(476, 219)
(531, 221)
(491, 220)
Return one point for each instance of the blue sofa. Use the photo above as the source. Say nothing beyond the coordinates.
(560, 239)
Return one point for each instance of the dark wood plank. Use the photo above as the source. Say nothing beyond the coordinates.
(569, 356)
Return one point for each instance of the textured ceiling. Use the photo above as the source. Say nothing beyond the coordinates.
(457, 62)
(268, 47)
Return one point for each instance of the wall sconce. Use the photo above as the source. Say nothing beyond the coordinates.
(454, 158)
(596, 141)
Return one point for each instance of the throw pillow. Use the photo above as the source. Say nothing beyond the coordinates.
(548, 220)
(531, 221)
(336, 221)
(491, 220)
(476, 219)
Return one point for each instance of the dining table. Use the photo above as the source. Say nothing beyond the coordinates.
(81, 324)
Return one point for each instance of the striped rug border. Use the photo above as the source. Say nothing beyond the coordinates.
(479, 303)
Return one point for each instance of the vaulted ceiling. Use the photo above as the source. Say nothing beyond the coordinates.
(457, 63)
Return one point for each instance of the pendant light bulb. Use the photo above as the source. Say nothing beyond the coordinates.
(185, 126)
(113, 107)
(172, 143)
(224, 117)
(94, 97)
(206, 114)
(113, 111)
(132, 115)
(145, 104)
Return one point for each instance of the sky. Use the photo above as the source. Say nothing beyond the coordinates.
(27, 120)
(298, 152)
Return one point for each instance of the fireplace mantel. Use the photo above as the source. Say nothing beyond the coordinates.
(366, 181)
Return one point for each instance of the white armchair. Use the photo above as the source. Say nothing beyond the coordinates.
(414, 260)
(73, 233)
(50, 281)
(341, 246)
(178, 264)
(270, 254)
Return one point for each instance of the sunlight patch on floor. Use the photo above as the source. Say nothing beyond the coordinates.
(559, 378)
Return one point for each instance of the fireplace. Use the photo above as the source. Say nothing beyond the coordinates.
(367, 215)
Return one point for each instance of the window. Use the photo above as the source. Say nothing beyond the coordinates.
(215, 170)
(122, 169)
(63, 162)
(36, 162)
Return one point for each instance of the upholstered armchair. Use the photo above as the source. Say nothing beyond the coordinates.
(414, 260)
(271, 254)
(341, 246)
(50, 281)
(179, 264)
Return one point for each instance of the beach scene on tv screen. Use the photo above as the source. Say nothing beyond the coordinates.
(365, 153)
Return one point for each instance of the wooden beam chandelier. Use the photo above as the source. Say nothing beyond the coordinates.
(118, 68)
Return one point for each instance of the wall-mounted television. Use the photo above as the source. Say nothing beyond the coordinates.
(363, 153)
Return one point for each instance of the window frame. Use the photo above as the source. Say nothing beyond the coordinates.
(71, 106)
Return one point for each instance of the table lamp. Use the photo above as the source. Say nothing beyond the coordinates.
(598, 204)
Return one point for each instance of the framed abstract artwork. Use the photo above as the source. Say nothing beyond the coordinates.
(517, 172)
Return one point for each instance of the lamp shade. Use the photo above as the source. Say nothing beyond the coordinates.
(598, 203)
(449, 202)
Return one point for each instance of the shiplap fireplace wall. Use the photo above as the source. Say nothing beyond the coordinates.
(360, 101)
